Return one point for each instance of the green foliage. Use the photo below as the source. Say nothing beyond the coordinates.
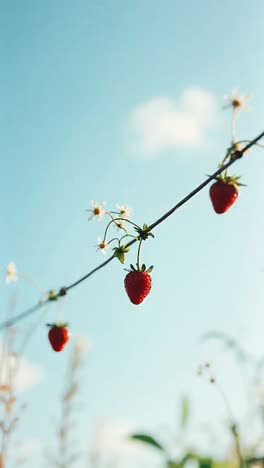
(147, 439)
(205, 462)
(223, 464)
(142, 268)
(144, 233)
(173, 464)
(119, 252)
(202, 462)
(185, 411)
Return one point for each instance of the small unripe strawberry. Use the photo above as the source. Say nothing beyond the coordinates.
(58, 336)
(138, 284)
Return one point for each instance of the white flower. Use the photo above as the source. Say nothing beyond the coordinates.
(97, 211)
(102, 245)
(237, 101)
(124, 211)
(11, 273)
(120, 224)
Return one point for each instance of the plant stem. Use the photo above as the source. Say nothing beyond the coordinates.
(233, 426)
(113, 220)
(114, 238)
(138, 254)
(237, 445)
(32, 281)
(233, 126)
(128, 235)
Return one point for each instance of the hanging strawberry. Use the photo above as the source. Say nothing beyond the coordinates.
(58, 335)
(224, 192)
(138, 283)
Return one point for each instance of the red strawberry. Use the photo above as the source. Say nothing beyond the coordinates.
(58, 335)
(223, 195)
(224, 192)
(138, 284)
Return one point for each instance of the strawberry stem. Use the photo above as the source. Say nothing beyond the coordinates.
(233, 125)
(138, 254)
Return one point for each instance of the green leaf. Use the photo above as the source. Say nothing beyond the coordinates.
(146, 439)
(58, 325)
(184, 412)
(173, 464)
(121, 257)
(143, 232)
(119, 252)
(205, 462)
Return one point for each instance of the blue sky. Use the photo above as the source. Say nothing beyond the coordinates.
(83, 87)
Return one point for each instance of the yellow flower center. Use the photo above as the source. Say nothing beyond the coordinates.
(97, 211)
(236, 103)
(102, 245)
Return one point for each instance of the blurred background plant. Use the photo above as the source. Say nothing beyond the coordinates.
(11, 409)
(243, 452)
(67, 452)
(178, 449)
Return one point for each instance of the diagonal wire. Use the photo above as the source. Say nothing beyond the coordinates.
(235, 156)
(17, 318)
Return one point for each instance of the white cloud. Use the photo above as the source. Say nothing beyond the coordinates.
(163, 123)
(114, 437)
(26, 374)
(113, 443)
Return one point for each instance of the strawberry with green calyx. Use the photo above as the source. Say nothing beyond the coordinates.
(58, 335)
(138, 280)
(224, 192)
(138, 283)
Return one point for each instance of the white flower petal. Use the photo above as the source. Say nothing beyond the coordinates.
(11, 273)
(236, 100)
